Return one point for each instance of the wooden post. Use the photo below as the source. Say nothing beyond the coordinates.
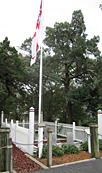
(79, 122)
(49, 147)
(94, 141)
(10, 155)
(4, 135)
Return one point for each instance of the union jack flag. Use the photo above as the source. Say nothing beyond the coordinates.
(35, 37)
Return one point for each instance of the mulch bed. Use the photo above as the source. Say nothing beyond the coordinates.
(22, 164)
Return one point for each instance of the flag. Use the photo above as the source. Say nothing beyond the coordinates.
(35, 37)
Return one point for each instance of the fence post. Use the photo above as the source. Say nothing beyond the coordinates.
(16, 126)
(89, 143)
(31, 129)
(23, 123)
(6, 122)
(100, 123)
(11, 134)
(73, 131)
(49, 147)
(94, 141)
(40, 138)
(89, 139)
(2, 114)
(4, 135)
(56, 129)
(10, 155)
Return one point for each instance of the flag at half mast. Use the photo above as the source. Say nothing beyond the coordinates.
(35, 37)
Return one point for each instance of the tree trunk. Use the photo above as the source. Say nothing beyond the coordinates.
(68, 102)
(69, 112)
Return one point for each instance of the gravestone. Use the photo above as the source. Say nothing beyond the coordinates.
(54, 140)
(70, 138)
(45, 133)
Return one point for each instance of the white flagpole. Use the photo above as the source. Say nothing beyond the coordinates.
(40, 129)
(40, 77)
(40, 86)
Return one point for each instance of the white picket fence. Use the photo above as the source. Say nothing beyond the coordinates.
(21, 136)
(25, 136)
(61, 129)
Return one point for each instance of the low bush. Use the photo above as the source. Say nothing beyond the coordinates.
(66, 148)
(44, 151)
(84, 146)
(59, 151)
(70, 149)
(100, 144)
(74, 149)
(56, 151)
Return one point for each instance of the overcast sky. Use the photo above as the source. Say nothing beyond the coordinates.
(18, 17)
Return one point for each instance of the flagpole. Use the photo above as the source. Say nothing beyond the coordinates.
(40, 86)
(40, 129)
(40, 77)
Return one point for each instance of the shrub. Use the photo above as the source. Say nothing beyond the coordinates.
(44, 151)
(66, 148)
(57, 151)
(74, 149)
(70, 149)
(100, 144)
(84, 146)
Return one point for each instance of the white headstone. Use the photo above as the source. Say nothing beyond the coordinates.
(70, 138)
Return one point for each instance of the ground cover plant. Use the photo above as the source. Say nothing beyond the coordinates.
(59, 151)
(84, 145)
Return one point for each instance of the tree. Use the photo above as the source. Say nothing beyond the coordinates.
(71, 51)
(11, 74)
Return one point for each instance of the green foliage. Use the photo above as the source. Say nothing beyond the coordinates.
(13, 91)
(100, 144)
(11, 73)
(56, 151)
(37, 153)
(44, 151)
(84, 146)
(70, 149)
(71, 63)
(71, 89)
(59, 151)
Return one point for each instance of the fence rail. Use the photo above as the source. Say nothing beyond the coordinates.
(20, 131)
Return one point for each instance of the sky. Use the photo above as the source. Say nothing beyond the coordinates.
(18, 17)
